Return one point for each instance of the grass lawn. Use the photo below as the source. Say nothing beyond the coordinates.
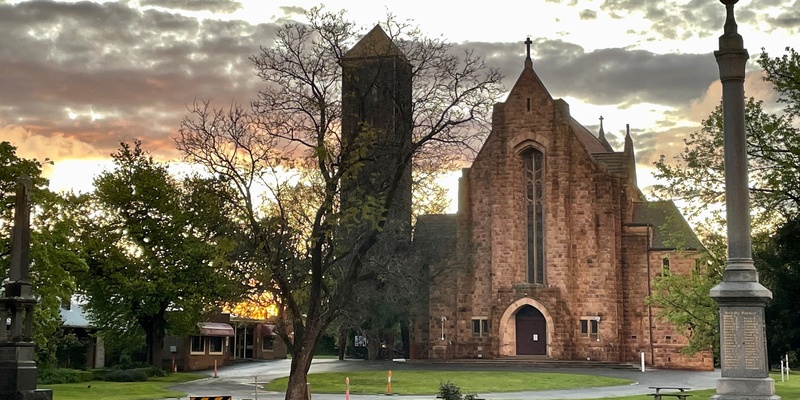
(100, 390)
(427, 382)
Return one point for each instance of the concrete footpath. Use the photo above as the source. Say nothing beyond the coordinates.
(239, 380)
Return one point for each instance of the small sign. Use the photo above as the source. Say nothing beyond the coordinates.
(535, 337)
(173, 349)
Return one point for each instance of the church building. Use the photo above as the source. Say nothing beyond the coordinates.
(553, 249)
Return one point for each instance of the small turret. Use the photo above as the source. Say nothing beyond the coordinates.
(602, 137)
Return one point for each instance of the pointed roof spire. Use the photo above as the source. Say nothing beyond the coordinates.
(602, 132)
(528, 61)
(628, 141)
(602, 137)
(376, 43)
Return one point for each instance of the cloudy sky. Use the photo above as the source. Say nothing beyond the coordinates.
(76, 78)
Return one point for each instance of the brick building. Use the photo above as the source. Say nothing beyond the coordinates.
(553, 248)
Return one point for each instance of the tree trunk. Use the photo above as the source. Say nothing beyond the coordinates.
(342, 343)
(301, 361)
(157, 345)
(154, 328)
(373, 344)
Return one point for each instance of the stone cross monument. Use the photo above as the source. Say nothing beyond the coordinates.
(741, 298)
(17, 365)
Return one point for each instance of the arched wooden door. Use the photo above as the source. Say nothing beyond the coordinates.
(531, 332)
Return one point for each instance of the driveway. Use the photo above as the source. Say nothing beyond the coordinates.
(239, 380)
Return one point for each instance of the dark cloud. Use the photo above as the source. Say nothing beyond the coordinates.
(698, 18)
(292, 10)
(217, 6)
(102, 72)
(703, 18)
(607, 76)
(588, 14)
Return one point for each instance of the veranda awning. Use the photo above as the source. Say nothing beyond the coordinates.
(267, 330)
(215, 329)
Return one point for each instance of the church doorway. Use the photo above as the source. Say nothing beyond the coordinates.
(531, 331)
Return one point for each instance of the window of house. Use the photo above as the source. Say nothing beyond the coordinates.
(590, 328)
(215, 344)
(267, 343)
(533, 163)
(198, 345)
(480, 326)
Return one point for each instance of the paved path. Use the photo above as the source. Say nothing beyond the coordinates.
(239, 380)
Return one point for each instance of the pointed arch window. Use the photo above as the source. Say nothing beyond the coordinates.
(533, 162)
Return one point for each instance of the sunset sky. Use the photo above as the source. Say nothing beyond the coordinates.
(76, 78)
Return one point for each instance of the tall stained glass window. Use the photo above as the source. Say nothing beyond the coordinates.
(533, 161)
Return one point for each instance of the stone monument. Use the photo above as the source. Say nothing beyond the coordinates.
(17, 365)
(741, 298)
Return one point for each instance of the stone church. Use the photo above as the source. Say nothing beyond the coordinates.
(553, 249)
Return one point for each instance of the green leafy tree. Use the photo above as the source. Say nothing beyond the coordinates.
(54, 254)
(777, 259)
(683, 299)
(696, 176)
(696, 179)
(155, 258)
(297, 115)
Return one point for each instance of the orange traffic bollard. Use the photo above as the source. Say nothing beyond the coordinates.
(389, 383)
(347, 388)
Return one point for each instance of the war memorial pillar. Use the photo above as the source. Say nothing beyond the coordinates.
(17, 366)
(741, 298)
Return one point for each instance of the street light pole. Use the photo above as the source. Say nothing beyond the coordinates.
(741, 298)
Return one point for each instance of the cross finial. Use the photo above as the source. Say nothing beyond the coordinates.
(528, 43)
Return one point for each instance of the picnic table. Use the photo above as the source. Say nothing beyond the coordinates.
(678, 392)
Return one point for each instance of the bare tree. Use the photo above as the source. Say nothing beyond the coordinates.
(290, 146)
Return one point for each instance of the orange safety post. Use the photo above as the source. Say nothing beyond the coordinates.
(347, 388)
(389, 383)
(215, 369)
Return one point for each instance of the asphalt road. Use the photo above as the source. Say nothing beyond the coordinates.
(239, 380)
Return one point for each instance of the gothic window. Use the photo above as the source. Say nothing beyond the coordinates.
(533, 161)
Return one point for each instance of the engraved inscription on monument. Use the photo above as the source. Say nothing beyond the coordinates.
(730, 353)
(740, 347)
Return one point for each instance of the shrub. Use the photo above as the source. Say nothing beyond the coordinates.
(449, 391)
(63, 375)
(126, 375)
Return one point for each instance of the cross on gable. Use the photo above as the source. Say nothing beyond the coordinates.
(528, 43)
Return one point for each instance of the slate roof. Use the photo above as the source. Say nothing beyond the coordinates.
(75, 317)
(430, 226)
(435, 235)
(589, 140)
(670, 229)
(614, 161)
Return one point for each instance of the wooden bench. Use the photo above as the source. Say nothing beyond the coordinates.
(680, 394)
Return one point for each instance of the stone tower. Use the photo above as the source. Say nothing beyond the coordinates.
(376, 125)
